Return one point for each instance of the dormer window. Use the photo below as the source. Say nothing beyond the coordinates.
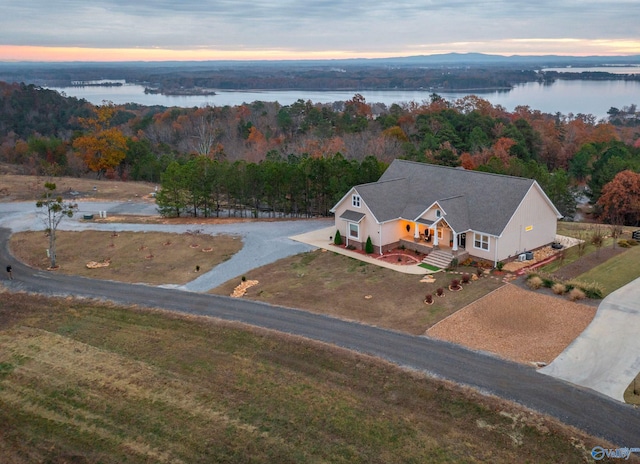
(438, 213)
(355, 201)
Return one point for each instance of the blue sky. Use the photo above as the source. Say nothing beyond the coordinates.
(264, 29)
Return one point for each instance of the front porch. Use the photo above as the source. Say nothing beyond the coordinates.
(445, 253)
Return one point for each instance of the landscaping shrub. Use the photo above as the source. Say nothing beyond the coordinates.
(558, 288)
(499, 265)
(591, 290)
(466, 278)
(454, 263)
(547, 282)
(624, 244)
(534, 282)
(479, 272)
(440, 291)
(368, 247)
(337, 240)
(428, 298)
(576, 294)
(632, 242)
(455, 284)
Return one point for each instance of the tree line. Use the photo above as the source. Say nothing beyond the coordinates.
(564, 153)
(276, 187)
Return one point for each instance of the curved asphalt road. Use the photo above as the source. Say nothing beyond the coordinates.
(582, 408)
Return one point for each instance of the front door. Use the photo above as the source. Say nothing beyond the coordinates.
(462, 240)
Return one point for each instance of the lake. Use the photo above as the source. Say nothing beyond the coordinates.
(564, 96)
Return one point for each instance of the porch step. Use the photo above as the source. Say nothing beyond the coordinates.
(439, 258)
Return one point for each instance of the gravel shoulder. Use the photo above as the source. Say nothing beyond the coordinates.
(516, 324)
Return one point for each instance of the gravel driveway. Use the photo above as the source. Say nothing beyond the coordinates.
(264, 242)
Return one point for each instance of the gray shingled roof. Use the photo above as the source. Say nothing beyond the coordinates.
(352, 216)
(471, 199)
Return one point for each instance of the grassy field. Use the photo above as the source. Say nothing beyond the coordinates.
(330, 283)
(610, 267)
(85, 382)
(149, 257)
(616, 271)
(582, 231)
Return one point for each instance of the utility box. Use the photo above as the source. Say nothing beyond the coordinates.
(529, 255)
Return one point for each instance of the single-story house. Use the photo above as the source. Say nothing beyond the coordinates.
(461, 212)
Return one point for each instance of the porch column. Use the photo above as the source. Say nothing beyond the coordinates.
(455, 241)
(435, 236)
(416, 231)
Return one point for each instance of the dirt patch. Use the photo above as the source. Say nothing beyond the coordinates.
(29, 188)
(516, 324)
(153, 258)
(340, 286)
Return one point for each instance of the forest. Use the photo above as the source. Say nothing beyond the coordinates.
(299, 159)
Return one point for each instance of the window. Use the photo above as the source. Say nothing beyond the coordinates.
(354, 230)
(355, 201)
(438, 213)
(481, 241)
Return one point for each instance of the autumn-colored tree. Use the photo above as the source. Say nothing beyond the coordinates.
(620, 199)
(466, 161)
(102, 147)
(604, 133)
(397, 133)
(500, 149)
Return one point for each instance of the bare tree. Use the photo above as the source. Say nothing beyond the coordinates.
(203, 135)
(54, 210)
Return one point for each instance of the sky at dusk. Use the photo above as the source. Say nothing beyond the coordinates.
(122, 30)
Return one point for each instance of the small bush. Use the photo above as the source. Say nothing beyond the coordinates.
(558, 288)
(499, 265)
(454, 263)
(632, 242)
(428, 298)
(624, 244)
(455, 284)
(479, 272)
(440, 291)
(466, 278)
(576, 294)
(534, 282)
(368, 247)
(244, 278)
(547, 282)
(337, 240)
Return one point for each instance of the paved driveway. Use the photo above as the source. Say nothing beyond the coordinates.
(606, 356)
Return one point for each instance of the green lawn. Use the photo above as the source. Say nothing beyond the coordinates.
(615, 272)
